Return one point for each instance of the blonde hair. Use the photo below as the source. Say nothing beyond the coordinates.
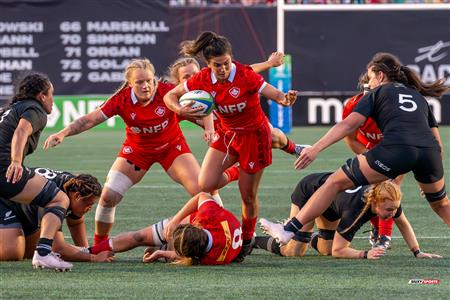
(179, 63)
(374, 196)
(190, 242)
(141, 63)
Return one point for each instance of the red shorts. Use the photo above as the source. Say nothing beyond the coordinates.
(144, 159)
(253, 148)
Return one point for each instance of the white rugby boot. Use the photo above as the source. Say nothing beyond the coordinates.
(276, 230)
(51, 261)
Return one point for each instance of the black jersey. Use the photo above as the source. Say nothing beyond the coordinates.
(402, 114)
(346, 207)
(30, 110)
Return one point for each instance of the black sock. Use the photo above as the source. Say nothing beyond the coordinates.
(267, 243)
(44, 246)
(293, 225)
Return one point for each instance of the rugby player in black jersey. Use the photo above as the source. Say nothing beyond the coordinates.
(20, 223)
(411, 142)
(342, 219)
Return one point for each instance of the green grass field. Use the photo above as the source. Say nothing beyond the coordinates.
(261, 275)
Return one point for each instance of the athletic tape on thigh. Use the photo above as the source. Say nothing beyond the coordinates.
(303, 237)
(46, 195)
(57, 211)
(351, 169)
(118, 182)
(433, 197)
(105, 214)
(326, 234)
(158, 232)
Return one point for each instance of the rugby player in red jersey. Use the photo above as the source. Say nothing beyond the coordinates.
(152, 136)
(202, 232)
(244, 135)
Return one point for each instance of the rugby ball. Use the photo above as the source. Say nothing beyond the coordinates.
(201, 99)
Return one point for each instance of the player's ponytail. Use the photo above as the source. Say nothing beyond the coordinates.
(190, 243)
(209, 44)
(376, 194)
(393, 69)
(86, 185)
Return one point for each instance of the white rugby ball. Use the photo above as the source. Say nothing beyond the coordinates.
(201, 99)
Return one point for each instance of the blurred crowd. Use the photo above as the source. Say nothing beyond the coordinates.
(273, 2)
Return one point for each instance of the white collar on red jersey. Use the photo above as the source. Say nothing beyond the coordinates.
(230, 77)
(210, 241)
(135, 100)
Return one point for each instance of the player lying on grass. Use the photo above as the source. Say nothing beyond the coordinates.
(20, 223)
(341, 220)
(202, 232)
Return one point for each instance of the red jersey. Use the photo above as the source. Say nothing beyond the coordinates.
(236, 100)
(152, 126)
(368, 134)
(225, 233)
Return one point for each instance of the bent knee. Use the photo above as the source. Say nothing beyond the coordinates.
(109, 198)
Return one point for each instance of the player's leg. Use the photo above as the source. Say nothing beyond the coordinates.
(121, 177)
(185, 170)
(322, 241)
(31, 241)
(281, 141)
(437, 197)
(213, 166)
(12, 243)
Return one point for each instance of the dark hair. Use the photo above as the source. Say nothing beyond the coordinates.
(209, 44)
(190, 242)
(362, 80)
(85, 184)
(391, 66)
(30, 85)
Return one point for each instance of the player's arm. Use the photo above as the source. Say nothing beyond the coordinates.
(208, 123)
(276, 59)
(171, 99)
(437, 136)
(278, 96)
(410, 238)
(79, 125)
(341, 249)
(73, 253)
(353, 143)
(169, 255)
(77, 230)
(21, 133)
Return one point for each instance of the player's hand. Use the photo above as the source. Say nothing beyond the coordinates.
(150, 257)
(376, 253)
(276, 59)
(307, 156)
(14, 172)
(188, 112)
(53, 141)
(104, 256)
(289, 98)
(169, 229)
(208, 136)
(427, 255)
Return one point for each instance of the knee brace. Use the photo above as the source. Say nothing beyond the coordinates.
(118, 182)
(46, 195)
(105, 214)
(57, 211)
(433, 197)
(314, 241)
(326, 234)
(158, 232)
(351, 169)
(303, 237)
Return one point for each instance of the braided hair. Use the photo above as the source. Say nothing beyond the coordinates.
(30, 85)
(85, 184)
(190, 242)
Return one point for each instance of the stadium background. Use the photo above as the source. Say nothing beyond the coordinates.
(84, 45)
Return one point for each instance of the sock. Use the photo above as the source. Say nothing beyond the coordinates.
(267, 243)
(216, 197)
(232, 173)
(100, 238)
(248, 228)
(102, 246)
(293, 225)
(290, 147)
(385, 227)
(44, 246)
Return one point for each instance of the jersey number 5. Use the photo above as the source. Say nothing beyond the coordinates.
(406, 100)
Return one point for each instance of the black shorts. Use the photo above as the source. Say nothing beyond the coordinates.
(12, 217)
(9, 190)
(394, 160)
(328, 214)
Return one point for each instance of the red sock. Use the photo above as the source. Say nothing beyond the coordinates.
(385, 227)
(232, 173)
(100, 238)
(248, 228)
(102, 246)
(290, 147)
(374, 221)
